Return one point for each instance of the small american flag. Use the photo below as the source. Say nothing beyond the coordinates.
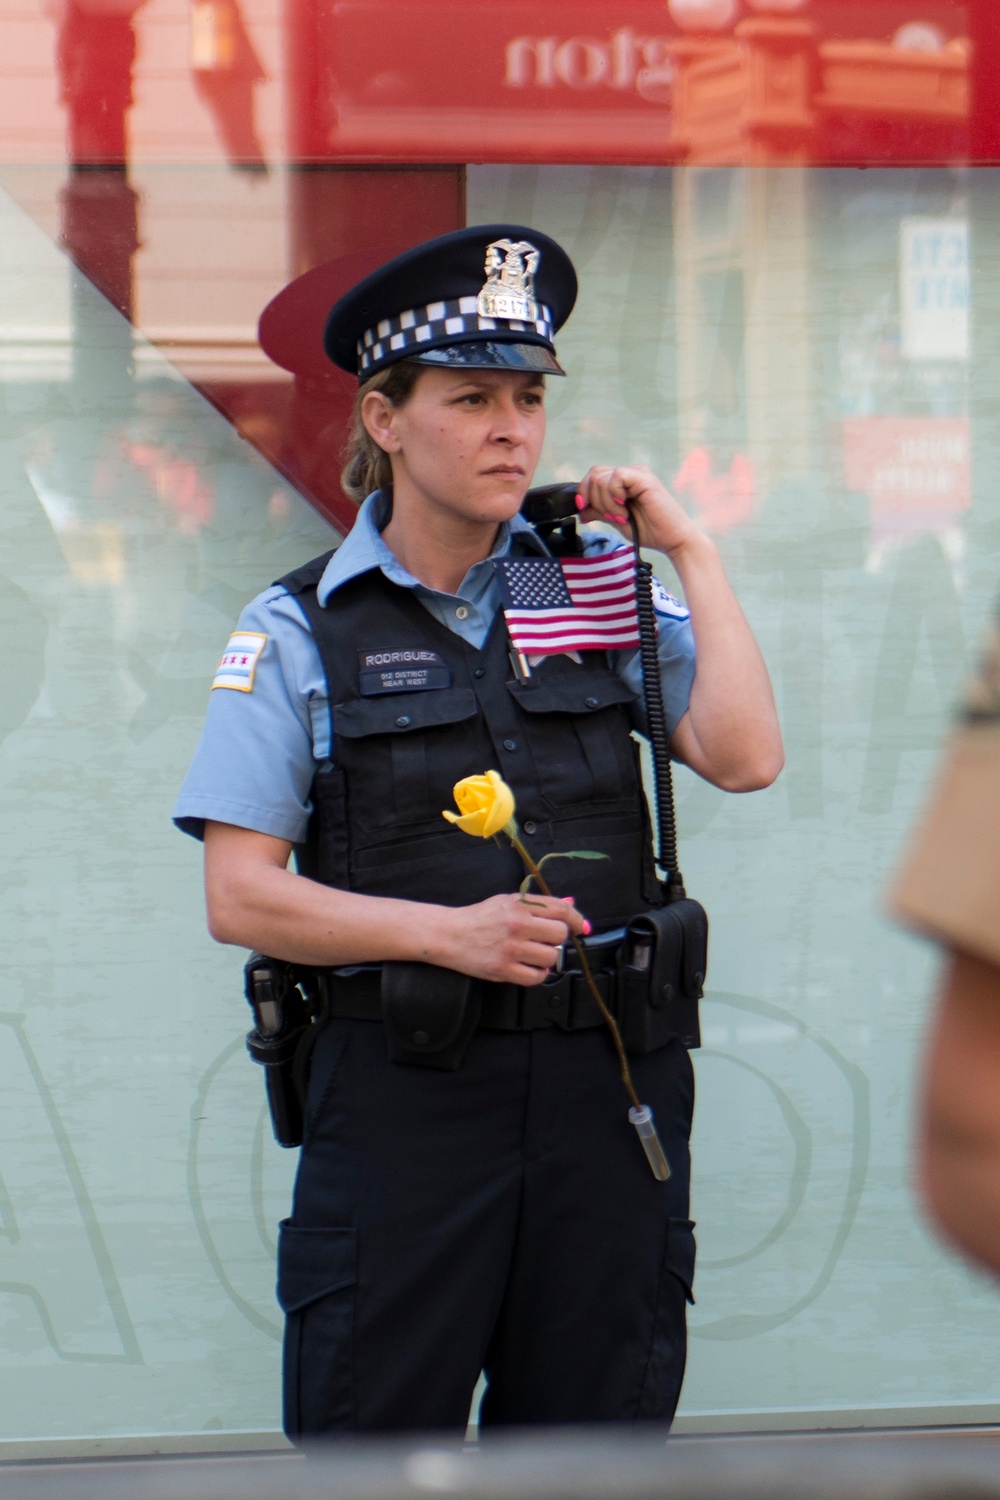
(571, 603)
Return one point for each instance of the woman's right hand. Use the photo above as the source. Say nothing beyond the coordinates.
(255, 901)
(507, 939)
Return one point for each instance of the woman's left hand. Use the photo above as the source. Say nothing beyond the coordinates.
(730, 733)
(610, 494)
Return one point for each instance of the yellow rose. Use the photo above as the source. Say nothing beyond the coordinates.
(485, 805)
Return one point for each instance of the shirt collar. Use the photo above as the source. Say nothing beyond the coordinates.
(363, 549)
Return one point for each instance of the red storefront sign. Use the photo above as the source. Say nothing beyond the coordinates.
(602, 81)
(453, 80)
(914, 470)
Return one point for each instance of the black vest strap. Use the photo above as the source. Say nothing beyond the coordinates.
(306, 577)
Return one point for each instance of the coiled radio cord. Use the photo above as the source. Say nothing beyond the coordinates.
(656, 725)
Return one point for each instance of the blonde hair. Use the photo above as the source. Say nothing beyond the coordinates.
(367, 466)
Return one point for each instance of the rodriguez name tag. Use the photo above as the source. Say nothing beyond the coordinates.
(406, 671)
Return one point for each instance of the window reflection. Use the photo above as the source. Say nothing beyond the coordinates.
(226, 70)
(237, 84)
(794, 347)
(720, 495)
(792, 344)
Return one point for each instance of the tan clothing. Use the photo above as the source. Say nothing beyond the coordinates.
(948, 884)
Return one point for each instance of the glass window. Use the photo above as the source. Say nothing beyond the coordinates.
(138, 1197)
(802, 348)
(791, 348)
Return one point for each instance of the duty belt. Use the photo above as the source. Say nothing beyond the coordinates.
(563, 999)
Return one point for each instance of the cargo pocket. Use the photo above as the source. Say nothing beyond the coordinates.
(668, 1350)
(317, 1273)
(400, 753)
(578, 732)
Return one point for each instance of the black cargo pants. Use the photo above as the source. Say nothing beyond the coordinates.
(499, 1218)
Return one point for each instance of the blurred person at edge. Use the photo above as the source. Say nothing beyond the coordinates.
(948, 887)
(488, 1209)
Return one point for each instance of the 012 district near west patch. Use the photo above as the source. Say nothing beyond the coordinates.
(239, 661)
(410, 670)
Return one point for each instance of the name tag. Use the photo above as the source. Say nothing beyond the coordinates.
(407, 671)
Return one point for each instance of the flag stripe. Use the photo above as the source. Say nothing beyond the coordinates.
(547, 618)
(570, 622)
(542, 637)
(550, 632)
(594, 596)
(594, 585)
(592, 612)
(622, 557)
(574, 641)
(543, 645)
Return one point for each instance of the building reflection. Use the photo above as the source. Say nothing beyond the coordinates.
(720, 495)
(782, 89)
(824, 369)
(713, 85)
(226, 70)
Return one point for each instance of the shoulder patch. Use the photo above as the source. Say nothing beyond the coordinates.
(239, 661)
(666, 604)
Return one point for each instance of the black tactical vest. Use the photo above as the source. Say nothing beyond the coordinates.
(561, 741)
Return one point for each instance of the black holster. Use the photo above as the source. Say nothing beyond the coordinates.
(281, 1040)
(661, 976)
(429, 1014)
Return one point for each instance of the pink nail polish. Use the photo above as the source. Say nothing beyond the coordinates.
(620, 500)
(568, 900)
(587, 929)
(581, 503)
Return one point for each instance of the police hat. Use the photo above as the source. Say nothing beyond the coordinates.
(490, 297)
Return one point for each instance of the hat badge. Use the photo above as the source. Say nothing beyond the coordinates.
(510, 281)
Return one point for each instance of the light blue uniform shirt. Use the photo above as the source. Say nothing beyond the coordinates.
(265, 735)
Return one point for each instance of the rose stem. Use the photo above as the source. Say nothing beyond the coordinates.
(588, 976)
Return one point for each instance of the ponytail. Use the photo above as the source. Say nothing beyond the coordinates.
(368, 466)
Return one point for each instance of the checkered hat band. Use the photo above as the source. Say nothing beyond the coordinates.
(434, 325)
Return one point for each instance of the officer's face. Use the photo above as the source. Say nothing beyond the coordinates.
(467, 441)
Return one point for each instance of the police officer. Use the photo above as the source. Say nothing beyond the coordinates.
(470, 1196)
(949, 888)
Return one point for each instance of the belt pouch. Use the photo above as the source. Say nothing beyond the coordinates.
(661, 976)
(429, 1014)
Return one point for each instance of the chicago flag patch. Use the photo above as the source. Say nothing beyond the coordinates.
(239, 661)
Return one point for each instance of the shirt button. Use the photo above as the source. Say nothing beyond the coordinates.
(420, 1039)
(402, 722)
(530, 827)
(479, 672)
(461, 613)
(592, 702)
(510, 744)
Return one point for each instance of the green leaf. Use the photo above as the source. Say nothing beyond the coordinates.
(572, 854)
(525, 894)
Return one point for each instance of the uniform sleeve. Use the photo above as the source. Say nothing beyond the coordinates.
(256, 758)
(948, 884)
(675, 646)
